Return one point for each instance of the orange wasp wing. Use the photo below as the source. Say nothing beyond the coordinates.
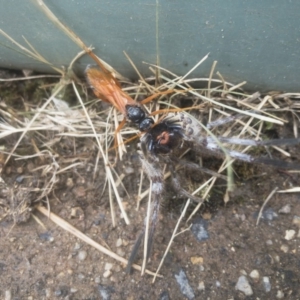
(108, 89)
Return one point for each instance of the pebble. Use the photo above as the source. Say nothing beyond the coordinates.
(105, 292)
(70, 182)
(107, 273)
(197, 260)
(184, 285)
(77, 246)
(117, 269)
(73, 290)
(120, 252)
(82, 255)
(254, 274)
(269, 214)
(7, 295)
(279, 295)
(267, 284)
(20, 170)
(48, 293)
(284, 248)
(129, 170)
(244, 286)
(218, 283)
(97, 280)
(79, 191)
(164, 296)
(199, 229)
(119, 242)
(19, 179)
(285, 209)
(289, 234)
(269, 242)
(296, 220)
(201, 286)
(108, 266)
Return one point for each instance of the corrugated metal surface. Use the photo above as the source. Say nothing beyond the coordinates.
(256, 41)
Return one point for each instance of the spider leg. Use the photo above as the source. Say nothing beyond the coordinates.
(196, 167)
(155, 174)
(195, 134)
(224, 121)
(214, 149)
(247, 142)
(179, 189)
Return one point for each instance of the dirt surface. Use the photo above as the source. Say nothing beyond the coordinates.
(40, 260)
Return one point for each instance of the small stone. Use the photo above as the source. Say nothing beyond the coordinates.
(120, 252)
(108, 266)
(107, 274)
(7, 295)
(19, 179)
(285, 209)
(197, 260)
(284, 248)
(206, 216)
(60, 274)
(199, 229)
(279, 294)
(8, 170)
(48, 293)
(125, 242)
(20, 170)
(70, 182)
(289, 234)
(184, 285)
(82, 255)
(201, 286)
(267, 284)
(119, 242)
(244, 286)
(117, 268)
(218, 283)
(81, 276)
(58, 293)
(129, 170)
(97, 280)
(73, 290)
(269, 242)
(77, 246)
(296, 220)
(254, 274)
(269, 214)
(298, 235)
(79, 191)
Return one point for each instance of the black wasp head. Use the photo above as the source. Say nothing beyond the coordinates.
(146, 124)
(136, 115)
